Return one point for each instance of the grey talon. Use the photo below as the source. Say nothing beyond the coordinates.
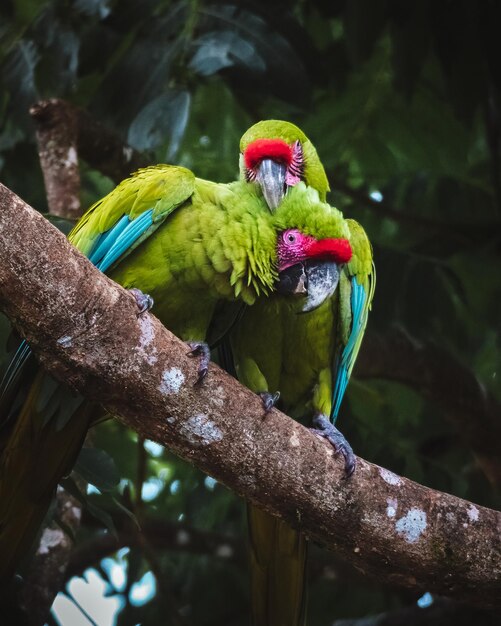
(144, 301)
(324, 428)
(201, 349)
(269, 399)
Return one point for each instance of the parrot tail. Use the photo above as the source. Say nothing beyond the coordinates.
(278, 567)
(35, 454)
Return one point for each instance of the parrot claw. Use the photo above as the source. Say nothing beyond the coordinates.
(269, 399)
(201, 349)
(322, 427)
(143, 300)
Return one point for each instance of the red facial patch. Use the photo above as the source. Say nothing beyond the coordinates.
(294, 246)
(260, 149)
(337, 249)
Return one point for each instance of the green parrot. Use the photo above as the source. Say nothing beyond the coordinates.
(185, 243)
(307, 357)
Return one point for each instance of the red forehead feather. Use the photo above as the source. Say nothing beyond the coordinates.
(260, 149)
(338, 249)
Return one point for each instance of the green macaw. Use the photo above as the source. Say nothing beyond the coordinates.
(188, 244)
(308, 357)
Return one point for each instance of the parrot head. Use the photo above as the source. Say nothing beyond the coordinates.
(277, 155)
(309, 267)
(312, 246)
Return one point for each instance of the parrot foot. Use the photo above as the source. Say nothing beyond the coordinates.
(269, 399)
(201, 349)
(143, 300)
(322, 427)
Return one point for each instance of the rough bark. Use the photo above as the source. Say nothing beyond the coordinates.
(85, 329)
(64, 130)
(57, 129)
(47, 571)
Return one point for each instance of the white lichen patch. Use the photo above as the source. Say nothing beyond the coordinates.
(391, 509)
(294, 441)
(450, 517)
(172, 381)
(412, 525)
(71, 157)
(473, 513)
(200, 430)
(51, 538)
(65, 341)
(146, 339)
(389, 477)
(218, 397)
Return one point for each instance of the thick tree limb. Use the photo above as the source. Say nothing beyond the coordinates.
(85, 329)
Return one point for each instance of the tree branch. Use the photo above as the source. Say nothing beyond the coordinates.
(62, 125)
(47, 571)
(85, 330)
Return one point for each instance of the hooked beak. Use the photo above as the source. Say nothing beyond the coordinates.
(271, 177)
(315, 280)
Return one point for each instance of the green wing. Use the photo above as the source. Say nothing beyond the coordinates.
(122, 220)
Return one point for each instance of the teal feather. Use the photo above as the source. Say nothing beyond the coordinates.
(126, 238)
(346, 361)
(106, 240)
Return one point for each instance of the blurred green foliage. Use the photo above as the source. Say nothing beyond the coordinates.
(402, 101)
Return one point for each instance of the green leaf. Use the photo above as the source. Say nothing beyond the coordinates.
(100, 514)
(98, 468)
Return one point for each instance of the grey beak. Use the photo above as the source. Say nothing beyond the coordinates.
(271, 177)
(323, 279)
(313, 281)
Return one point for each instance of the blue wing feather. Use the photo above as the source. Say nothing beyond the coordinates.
(107, 239)
(119, 243)
(345, 359)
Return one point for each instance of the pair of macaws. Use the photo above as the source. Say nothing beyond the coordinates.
(270, 242)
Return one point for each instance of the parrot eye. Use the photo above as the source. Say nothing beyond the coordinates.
(289, 236)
